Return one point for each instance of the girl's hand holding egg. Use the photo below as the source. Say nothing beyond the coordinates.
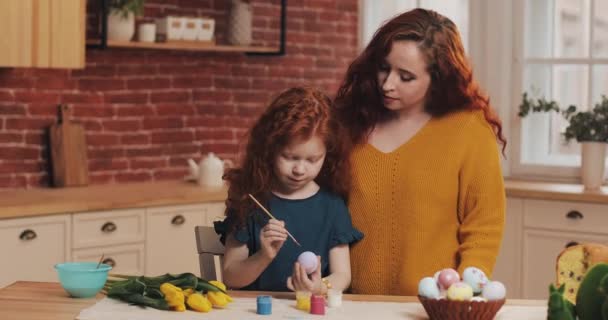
(301, 279)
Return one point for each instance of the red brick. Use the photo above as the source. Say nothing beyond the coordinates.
(134, 111)
(81, 98)
(162, 123)
(101, 85)
(6, 96)
(40, 109)
(12, 109)
(191, 82)
(137, 70)
(55, 83)
(126, 177)
(217, 109)
(170, 96)
(102, 139)
(39, 137)
(96, 152)
(11, 82)
(127, 98)
(135, 139)
(6, 137)
(147, 151)
(171, 137)
(121, 125)
(180, 148)
(35, 96)
(215, 96)
(155, 83)
(20, 153)
(12, 182)
(231, 83)
(136, 164)
(94, 71)
(27, 123)
(175, 110)
(108, 164)
(20, 166)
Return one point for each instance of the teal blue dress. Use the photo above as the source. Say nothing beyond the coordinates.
(319, 223)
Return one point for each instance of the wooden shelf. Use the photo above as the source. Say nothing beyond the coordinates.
(184, 45)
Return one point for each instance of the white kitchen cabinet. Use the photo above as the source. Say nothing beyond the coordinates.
(124, 259)
(536, 232)
(30, 247)
(170, 240)
(104, 228)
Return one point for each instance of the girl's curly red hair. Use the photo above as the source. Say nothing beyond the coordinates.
(295, 114)
(359, 99)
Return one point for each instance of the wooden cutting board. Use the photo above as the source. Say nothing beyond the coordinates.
(68, 151)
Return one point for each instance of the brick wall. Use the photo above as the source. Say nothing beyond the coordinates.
(146, 112)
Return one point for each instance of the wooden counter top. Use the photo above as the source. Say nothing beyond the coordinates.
(554, 191)
(47, 201)
(37, 202)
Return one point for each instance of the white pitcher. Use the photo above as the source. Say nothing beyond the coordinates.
(209, 171)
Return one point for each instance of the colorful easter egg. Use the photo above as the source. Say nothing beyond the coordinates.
(427, 287)
(447, 277)
(475, 278)
(309, 261)
(460, 291)
(494, 290)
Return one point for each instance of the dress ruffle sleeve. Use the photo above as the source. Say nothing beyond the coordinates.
(343, 231)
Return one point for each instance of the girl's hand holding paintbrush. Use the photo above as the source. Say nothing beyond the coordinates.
(272, 237)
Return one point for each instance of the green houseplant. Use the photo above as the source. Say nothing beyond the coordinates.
(121, 18)
(124, 7)
(590, 128)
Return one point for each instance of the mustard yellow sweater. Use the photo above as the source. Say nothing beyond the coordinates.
(437, 201)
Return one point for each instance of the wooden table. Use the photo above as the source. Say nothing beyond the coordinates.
(48, 301)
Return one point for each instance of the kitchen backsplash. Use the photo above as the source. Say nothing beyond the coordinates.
(146, 112)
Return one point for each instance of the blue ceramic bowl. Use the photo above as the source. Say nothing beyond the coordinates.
(82, 279)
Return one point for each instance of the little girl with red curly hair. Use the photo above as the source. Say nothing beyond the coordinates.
(295, 164)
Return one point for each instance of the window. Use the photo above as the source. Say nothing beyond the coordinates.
(373, 14)
(561, 53)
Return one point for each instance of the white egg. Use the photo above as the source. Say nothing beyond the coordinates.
(494, 290)
(427, 287)
(475, 278)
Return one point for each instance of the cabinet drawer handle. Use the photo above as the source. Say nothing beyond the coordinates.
(110, 262)
(574, 215)
(27, 235)
(178, 220)
(108, 227)
(570, 244)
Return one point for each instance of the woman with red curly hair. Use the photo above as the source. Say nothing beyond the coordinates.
(427, 189)
(296, 165)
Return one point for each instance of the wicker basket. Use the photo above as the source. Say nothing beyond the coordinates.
(443, 309)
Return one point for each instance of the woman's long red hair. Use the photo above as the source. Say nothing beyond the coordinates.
(296, 114)
(359, 101)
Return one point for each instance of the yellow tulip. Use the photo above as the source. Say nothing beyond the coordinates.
(174, 296)
(198, 302)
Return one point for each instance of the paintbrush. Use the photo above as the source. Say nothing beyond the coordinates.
(271, 216)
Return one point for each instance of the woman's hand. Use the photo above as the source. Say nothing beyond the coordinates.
(300, 281)
(272, 237)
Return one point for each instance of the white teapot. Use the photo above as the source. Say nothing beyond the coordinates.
(209, 171)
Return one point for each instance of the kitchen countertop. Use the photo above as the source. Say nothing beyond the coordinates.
(48, 201)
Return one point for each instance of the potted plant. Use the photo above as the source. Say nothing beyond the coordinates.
(590, 128)
(121, 18)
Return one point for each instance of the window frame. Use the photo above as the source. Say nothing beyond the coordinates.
(519, 169)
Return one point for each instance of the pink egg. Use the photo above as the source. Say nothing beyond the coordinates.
(447, 277)
(309, 261)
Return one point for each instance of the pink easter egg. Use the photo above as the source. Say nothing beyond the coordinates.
(308, 260)
(447, 277)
